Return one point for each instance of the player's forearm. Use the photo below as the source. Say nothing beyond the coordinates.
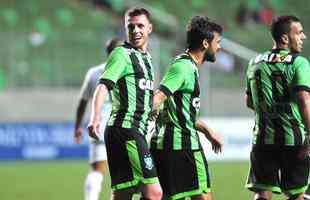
(249, 102)
(100, 95)
(203, 128)
(303, 98)
(80, 113)
(158, 98)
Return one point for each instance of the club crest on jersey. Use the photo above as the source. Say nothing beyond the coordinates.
(146, 84)
(148, 162)
(196, 102)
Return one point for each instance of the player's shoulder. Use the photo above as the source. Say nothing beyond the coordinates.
(96, 69)
(260, 57)
(183, 62)
(300, 61)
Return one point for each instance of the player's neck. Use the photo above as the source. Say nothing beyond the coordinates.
(197, 56)
(280, 46)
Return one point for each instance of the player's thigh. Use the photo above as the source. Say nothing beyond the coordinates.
(129, 158)
(182, 173)
(264, 170)
(100, 166)
(294, 172)
(97, 152)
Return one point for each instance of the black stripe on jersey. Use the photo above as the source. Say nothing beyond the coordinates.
(288, 111)
(196, 93)
(168, 136)
(300, 88)
(139, 110)
(150, 75)
(186, 134)
(262, 120)
(165, 90)
(279, 132)
(108, 83)
(123, 94)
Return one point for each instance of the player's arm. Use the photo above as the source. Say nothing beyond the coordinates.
(100, 95)
(303, 99)
(78, 131)
(248, 93)
(301, 88)
(172, 81)
(115, 69)
(213, 137)
(248, 100)
(158, 98)
(85, 95)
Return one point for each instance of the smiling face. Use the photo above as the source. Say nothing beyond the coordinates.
(296, 37)
(138, 29)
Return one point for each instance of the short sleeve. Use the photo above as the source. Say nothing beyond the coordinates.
(115, 68)
(302, 74)
(173, 79)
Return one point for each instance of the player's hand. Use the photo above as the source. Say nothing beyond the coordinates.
(154, 115)
(93, 129)
(305, 150)
(78, 135)
(216, 142)
(151, 129)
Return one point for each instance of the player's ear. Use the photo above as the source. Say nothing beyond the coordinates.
(285, 39)
(150, 28)
(205, 43)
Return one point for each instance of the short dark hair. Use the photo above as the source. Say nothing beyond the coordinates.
(111, 44)
(200, 28)
(282, 25)
(136, 11)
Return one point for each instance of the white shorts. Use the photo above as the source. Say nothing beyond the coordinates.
(97, 152)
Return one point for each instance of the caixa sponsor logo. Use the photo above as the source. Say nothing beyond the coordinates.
(146, 84)
(196, 102)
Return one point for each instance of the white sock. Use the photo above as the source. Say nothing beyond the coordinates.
(92, 186)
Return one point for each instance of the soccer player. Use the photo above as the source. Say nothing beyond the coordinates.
(129, 76)
(278, 88)
(97, 150)
(179, 158)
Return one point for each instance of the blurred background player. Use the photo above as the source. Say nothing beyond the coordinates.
(278, 88)
(97, 149)
(178, 154)
(129, 75)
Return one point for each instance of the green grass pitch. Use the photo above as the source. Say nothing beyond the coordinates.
(56, 180)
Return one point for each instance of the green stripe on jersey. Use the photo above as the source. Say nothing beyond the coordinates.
(272, 80)
(182, 106)
(131, 73)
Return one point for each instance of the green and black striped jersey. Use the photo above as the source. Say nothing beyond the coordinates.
(272, 79)
(130, 78)
(180, 84)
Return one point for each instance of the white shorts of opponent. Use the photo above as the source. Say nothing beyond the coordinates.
(97, 152)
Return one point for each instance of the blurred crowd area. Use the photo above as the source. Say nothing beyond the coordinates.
(53, 43)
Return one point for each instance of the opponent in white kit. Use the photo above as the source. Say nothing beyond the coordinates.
(97, 149)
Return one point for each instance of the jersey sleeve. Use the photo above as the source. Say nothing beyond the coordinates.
(302, 74)
(173, 79)
(115, 68)
(86, 89)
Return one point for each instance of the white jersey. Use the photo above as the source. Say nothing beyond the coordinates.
(88, 89)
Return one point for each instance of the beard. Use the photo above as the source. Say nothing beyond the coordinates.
(210, 57)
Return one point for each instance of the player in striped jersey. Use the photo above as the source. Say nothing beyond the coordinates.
(278, 88)
(97, 150)
(180, 161)
(129, 76)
